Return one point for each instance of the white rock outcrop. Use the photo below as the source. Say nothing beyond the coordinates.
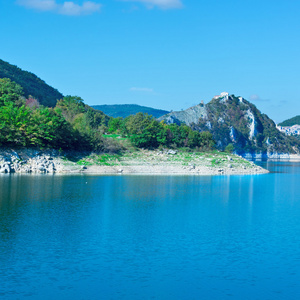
(29, 161)
(252, 124)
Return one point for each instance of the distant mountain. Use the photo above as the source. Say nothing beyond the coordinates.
(125, 110)
(291, 122)
(31, 84)
(234, 120)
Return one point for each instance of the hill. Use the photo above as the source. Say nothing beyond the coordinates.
(73, 125)
(291, 122)
(237, 122)
(70, 125)
(31, 84)
(125, 110)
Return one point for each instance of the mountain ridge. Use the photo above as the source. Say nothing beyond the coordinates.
(234, 120)
(32, 85)
(291, 122)
(125, 110)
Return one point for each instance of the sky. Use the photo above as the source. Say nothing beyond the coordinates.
(167, 54)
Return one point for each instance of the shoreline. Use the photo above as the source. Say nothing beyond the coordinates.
(271, 157)
(145, 171)
(139, 162)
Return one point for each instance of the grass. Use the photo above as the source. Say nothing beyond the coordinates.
(137, 156)
(115, 137)
(84, 162)
(100, 159)
(107, 159)
(215, 162)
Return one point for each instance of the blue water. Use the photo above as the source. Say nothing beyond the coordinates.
(151, 237)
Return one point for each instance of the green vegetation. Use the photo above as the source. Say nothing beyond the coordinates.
(229, 148)
(70, 125)
(33, 114)
(160, 157)
(88, 125)
(291, 122)
(107, 159)
(125, 110)
(146, 132)
(21, 125)
(31, 84)
(73, 125)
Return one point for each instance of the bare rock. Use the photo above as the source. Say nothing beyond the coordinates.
(171, 152)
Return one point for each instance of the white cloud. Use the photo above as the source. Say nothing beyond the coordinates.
(66, 8)
(256, 97)
(139, 89)
(163, 4)
(70, 8)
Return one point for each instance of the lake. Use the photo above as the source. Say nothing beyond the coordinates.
(151, 237)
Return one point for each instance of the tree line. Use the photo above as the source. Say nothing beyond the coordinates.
(73, 125)
(146, 132)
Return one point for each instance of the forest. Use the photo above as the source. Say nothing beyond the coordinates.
(125, 110)
(73, 125)
(31, 84)
(291, 122)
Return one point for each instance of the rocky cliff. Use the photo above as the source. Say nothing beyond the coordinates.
(234, 120)
(30, 161)
(189, 116)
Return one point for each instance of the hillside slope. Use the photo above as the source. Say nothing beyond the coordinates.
(291, 122)
(125, 110)
(31, 84)
(234, 120)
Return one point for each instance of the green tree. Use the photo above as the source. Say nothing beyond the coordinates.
(149, 137)
(114, 125)
(10, 92)
(13, 123)
(229, 148)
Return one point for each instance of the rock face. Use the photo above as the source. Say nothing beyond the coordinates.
(189, 116)
(234, 120)
(29, 161)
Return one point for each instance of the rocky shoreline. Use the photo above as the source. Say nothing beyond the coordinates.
(167, 162)
(271, 156)
(30, 161)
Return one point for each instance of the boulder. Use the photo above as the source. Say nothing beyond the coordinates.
(171, 152)
(5, 168)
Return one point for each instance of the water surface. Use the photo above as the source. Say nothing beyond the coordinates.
(151, 237)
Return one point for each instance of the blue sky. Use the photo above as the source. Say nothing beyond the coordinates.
(167, 54)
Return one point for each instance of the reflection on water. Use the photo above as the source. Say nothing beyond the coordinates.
(164, 237)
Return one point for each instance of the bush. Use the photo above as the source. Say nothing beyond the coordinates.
(229, 148)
